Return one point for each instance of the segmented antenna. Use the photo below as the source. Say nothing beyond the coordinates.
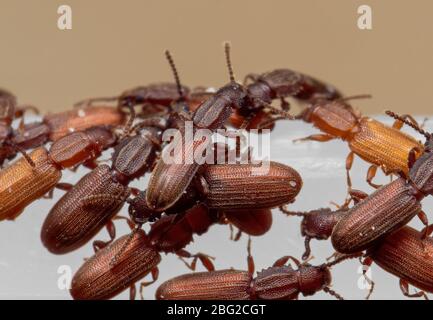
(175, 73)
(409, 123)
(228, 61)
(128, 125)
(342, 258)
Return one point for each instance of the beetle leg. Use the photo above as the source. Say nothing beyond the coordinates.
(398, 124)
(64, 186)
(316, 137)
(155, 274)
(357, 195)
(238, 235)
(411, 158)
(371, 173)
(250, 259)
(99, 244)
(204, 259)
(423, 217)
(366, 263)
(307, 252)
(404, 287)
(132, 292)
(283, 260)
(131, 224)
(349, 163)
(284, 104)
(333, 293)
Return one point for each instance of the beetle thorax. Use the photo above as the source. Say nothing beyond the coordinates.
(334, 118)
(313, 279)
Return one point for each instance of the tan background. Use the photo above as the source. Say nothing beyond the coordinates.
(115, 45)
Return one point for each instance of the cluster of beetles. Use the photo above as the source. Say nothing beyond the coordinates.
(185, 199)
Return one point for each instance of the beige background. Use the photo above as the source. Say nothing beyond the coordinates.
(115, 45)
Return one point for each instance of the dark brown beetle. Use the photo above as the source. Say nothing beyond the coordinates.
(279, 282)
(408, 255)
(36, 174)
(390, 207)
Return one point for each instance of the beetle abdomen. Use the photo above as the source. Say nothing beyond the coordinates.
(407, 256)
(221, 285)
(97, 279)
(384, 211)
(75, 218)
(247, 186)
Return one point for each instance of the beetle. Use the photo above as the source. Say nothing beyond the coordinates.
(382, 146)
(279, 282)
(36, 174)
(389, 207)
(231, 187)
(407, 254)
(212, 114)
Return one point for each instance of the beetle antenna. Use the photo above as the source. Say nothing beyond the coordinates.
(342, 258)
(355, 97)
(175, 73)
(292, 213)
(132, 115)
(333, 293)
(228, 61)
(409, 123)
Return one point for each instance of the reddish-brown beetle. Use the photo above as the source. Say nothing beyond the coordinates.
(408, 255)
(99, 195)
(382, 146)
(35, 174)
(119, 265)
(279, 282)
(390, 207)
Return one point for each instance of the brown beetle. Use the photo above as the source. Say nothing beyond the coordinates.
(408, 255)
(279, 282)
(382, 146)
(390, 207)
(29, 178)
